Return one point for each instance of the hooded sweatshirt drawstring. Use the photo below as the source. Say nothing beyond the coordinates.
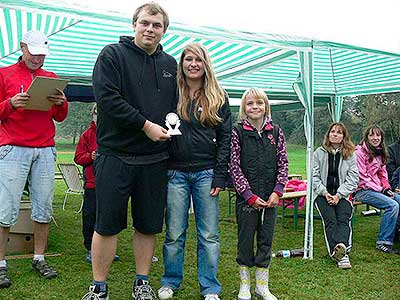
(156, 71)
(153, 58)
(143, 68)
(262, 215)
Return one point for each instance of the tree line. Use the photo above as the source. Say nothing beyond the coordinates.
(358, 113)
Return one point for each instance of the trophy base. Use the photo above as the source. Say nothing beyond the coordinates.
(174, 132)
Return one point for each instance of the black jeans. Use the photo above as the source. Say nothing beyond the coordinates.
(88, 217)
(336, 220)
(249, 227)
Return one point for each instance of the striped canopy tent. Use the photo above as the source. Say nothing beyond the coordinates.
(295, 72)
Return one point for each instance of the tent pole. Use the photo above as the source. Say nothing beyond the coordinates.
(304, 90)
(336, 108)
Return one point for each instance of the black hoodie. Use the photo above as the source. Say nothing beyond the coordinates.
(130, 87)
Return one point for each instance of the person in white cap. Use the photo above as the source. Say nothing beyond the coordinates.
(27, 150)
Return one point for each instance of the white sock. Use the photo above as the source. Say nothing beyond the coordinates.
(38, 257)
(3, 263)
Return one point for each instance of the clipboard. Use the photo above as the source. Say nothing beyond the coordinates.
(40, 88)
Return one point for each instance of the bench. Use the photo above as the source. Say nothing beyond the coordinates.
(375, 211)
(291, 198)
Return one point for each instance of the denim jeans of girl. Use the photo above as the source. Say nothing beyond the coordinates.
(182, 188)
(389, 219)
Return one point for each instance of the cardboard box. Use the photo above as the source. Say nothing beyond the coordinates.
(20, 243)
(24, 223)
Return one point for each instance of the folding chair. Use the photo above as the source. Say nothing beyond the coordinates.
(72, 179)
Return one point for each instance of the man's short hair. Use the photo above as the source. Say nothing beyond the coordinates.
(152, 8)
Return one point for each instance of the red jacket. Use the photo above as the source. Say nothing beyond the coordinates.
(83, 154)
(20, 127)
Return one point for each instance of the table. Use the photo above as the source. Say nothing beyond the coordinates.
(290, 198)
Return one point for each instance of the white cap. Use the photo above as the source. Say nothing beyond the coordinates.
(37, 42)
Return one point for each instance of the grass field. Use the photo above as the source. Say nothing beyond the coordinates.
(374, 275)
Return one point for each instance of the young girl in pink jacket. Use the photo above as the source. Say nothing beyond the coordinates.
(373, 186)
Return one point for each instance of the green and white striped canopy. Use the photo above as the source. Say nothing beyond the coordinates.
(240, 59)
(295, 72)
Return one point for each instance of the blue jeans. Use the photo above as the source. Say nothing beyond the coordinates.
(18, 164)
(389, 219)
(183, 186)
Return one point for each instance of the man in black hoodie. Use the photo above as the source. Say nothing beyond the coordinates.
(134, 84)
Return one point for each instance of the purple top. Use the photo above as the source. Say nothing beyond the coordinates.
(239, 180)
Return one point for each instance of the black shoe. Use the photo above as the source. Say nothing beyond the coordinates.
(44, 270)
(142, 290)
(5, 281)
(387, 249)
(95, 294)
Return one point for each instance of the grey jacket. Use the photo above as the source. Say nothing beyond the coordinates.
(348, 174)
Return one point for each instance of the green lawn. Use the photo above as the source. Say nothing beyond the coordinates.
(374, 275)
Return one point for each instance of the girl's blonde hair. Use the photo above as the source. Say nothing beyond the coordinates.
(256, 93)
(347, 147)
(210, 97)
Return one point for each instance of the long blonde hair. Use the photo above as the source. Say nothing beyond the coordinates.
(347, 146)
(210, 97)
(255, 93)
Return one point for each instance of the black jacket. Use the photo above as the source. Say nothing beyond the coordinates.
(393, 163)
(258, 161)
(131, 87)
(201, 148)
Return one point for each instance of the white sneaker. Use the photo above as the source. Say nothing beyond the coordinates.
(339, 252)
(344, 263)
(211, 297)
(165, 293)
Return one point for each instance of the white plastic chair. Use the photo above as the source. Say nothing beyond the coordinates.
(72, 179)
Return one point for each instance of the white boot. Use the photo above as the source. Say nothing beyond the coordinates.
(244, 291)
(262, 290)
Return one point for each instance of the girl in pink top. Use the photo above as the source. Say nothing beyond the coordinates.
(373, 186)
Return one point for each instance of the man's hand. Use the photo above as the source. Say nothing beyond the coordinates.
(273, 200)
(58, 99)
(215, 191)
(19, 100)
(155, 132)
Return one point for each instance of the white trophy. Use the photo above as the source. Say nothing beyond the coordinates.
(172, 122)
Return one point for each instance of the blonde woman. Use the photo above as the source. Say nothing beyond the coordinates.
(197, 170)
(335, 178)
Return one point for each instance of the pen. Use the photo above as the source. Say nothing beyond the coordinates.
(21, 89)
